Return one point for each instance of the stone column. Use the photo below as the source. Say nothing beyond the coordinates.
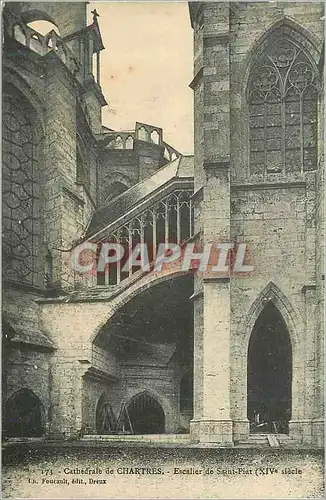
(212, 422)
(63, 207)
(300, 426)
(318, 421)
(303, 403)
(65, 418)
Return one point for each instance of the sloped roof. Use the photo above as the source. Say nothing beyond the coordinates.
(25, 334)
(181, 168)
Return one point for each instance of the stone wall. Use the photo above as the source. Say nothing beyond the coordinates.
(274, 214)
(160, 383)
(272, 223)
(68, 21)
(128, 166)
(116, 166)
(28, 368)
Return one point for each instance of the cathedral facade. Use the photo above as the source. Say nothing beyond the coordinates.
(119, 350)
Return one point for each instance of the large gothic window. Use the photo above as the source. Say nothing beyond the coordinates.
(20, 192)
(283, 109)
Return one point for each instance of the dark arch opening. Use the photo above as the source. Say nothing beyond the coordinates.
(269, 375)
(105, 419)
(143, 337)
(115, 189)
(146, 415)
(23, 415)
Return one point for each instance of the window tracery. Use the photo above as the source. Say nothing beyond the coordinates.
(283, 109)
(20, 193)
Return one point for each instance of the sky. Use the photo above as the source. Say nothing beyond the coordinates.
(147, 66)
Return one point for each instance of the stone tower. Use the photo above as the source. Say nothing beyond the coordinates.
(258, 167)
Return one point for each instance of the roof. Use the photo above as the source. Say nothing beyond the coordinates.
(25, 334)
(181, 168)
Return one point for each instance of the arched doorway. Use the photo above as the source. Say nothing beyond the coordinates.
(105, 419)
(23, 415)
(269, 374)
(146, 415)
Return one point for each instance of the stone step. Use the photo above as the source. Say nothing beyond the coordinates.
(145, 438)
(267, 440)
(252, 445)
(253, 441)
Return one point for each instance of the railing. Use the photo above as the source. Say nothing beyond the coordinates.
(170, 220)
(146, 133)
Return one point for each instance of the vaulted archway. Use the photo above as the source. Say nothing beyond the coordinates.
(23, 415)
(150, 339)
(269, 373)
(146, 415)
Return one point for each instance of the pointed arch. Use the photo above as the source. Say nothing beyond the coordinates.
(303, 37)
(146, 413)
(13, 82)
(119, 143)
(24, 415)
(142, 133)
(129, 142)
(155, 137)
(271, 293)
(167, 154)
(269, 373)
(145, 282)
(282, 88)
(114, 190)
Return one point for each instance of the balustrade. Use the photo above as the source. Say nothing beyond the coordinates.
(170, 220)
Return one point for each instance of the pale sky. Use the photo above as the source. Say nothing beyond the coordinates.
(147, 66)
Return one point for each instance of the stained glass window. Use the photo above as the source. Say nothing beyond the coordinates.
(282, 109)
(19, 192)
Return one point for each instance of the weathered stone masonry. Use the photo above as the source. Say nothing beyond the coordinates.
(78, 351)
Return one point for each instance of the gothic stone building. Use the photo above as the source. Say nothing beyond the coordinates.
(218, 357)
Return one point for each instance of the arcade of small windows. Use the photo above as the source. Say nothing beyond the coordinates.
(283, 110)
